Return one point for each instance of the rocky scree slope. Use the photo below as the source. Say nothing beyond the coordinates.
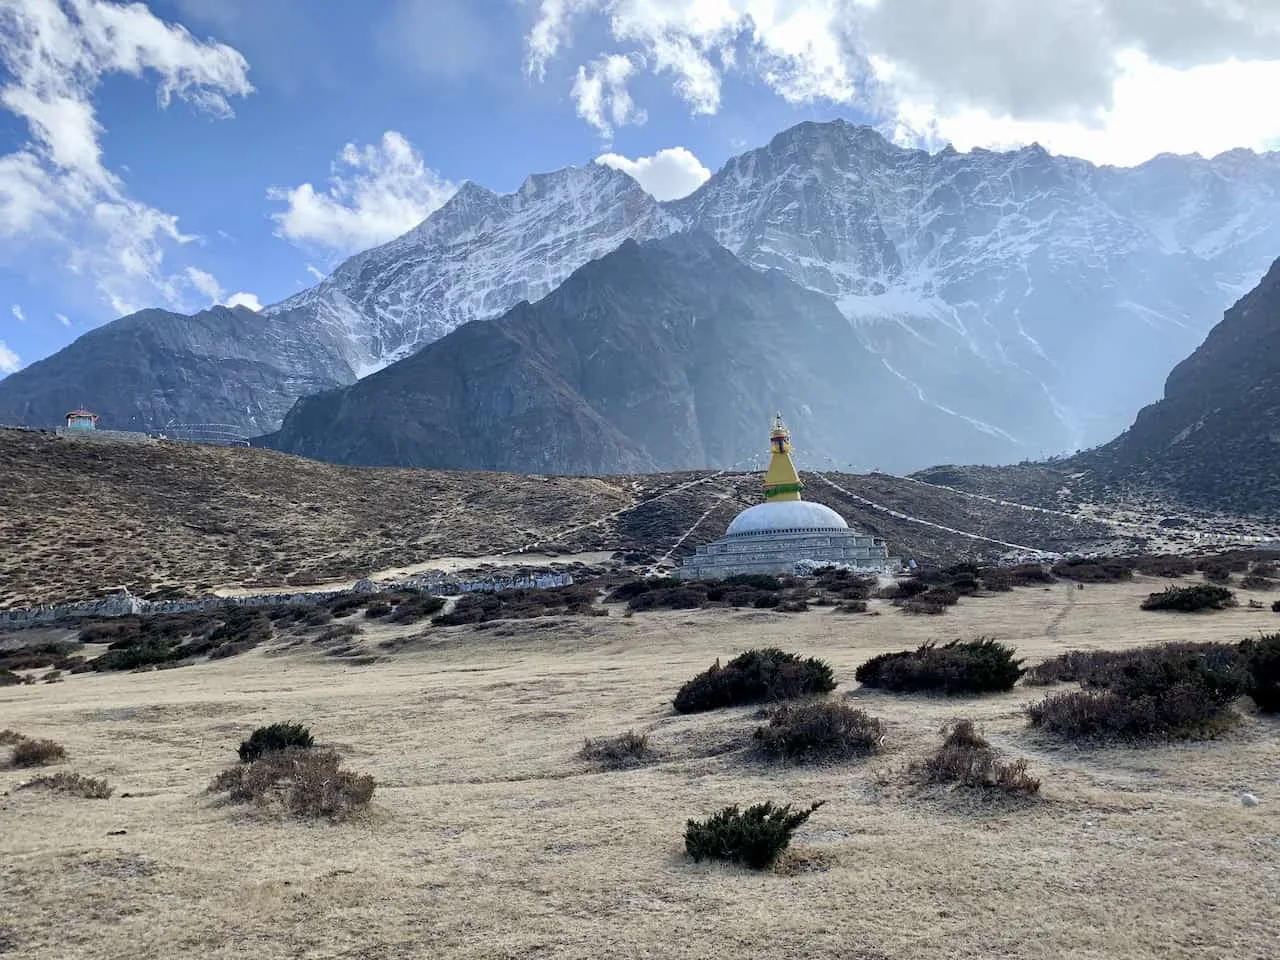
(666, 355)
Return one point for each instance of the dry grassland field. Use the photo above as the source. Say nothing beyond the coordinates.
(489, 837)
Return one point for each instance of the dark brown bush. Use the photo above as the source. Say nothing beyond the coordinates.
(1182, 711)
(850, 606)
(9, 737)
(10, 679)
(40, 656)
(1262, 665)
(302, 783)
(628, 749)
(576, 599)
(823, 730)
(417, 607)
(1147, 670)
(1199, 596)
(1095, 569)
(1164, 565)
(1254, 581)
(36, 753)
(959, 667)
(72, 784)
(968, 760)
(379, 608)
(756, 676)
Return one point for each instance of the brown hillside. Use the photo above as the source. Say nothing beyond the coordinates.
(78, 517)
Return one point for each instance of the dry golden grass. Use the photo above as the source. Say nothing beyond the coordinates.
(489, 836)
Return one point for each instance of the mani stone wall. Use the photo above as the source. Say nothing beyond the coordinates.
(779, 553)
(124, 603)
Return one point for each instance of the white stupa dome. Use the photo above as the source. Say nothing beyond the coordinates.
(785, 516)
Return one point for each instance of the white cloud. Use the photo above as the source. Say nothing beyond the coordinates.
(667, 175)
(10, 362)
(62, 319)
(315, 272)
(205, 284)
(600, 94)
(376, 193)
(242, 299)
(56, 193)
(1111, 80)
(17, 312)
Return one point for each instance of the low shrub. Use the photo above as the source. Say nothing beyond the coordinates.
(339, 631)
(417, 608)
(754, 837)
(1216, 574)
(1275, 606)
(669, 598)
(628, 749)
(346, 604)
(1095, 569)
(10, 679)
(1183, 711)
(276, 737)
(303, 783)
(36, 753)
(1262, 666)
(850, 606)
(1164, 565)
(576, 599)
(968, 760)
(756, 676)
(72, 784)
(1163, 691)
(931, 603)
(9, 737)
(1200, 596)
(379, 608)
(755, 581)
(162, 639)
(1254, 581)
(40, 656)
(959, 667)
(819, 731)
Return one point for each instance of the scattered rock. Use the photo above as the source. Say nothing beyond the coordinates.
(1248, 800)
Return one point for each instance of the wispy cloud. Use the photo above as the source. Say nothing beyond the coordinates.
(10, 362)
(376, 192)
(16, 310)
(56, 192)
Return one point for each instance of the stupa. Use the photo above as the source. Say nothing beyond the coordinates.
(785, 534)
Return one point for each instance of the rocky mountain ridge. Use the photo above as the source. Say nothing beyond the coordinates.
(665, 355)
(1038, 300)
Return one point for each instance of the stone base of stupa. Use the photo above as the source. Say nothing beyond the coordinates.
(779, 553)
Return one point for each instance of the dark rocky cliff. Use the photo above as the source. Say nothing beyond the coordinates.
(1214, 439)
(665, 355)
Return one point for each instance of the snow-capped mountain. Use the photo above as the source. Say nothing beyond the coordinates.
(1041, 300)
(1040, 297)
(476, 257)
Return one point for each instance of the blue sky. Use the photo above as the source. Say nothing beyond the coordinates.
(157, 154)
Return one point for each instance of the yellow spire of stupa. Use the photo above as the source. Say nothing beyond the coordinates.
(781, 481)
